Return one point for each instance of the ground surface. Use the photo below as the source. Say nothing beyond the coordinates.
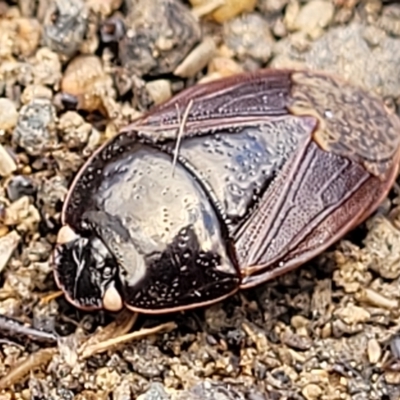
(70, 78)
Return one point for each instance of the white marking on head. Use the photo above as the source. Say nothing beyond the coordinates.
(66, 234)
(131, 262)
(112, 300)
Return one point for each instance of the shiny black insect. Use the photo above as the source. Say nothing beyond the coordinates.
(225, 186)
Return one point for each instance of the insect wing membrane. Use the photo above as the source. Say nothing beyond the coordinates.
(328, 187)
(317, 197)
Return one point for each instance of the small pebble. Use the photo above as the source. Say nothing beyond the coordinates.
(373, 35)
(8, 114)
(123, 390)
(86, 80)
(159, 35)
(279, 29)
(51, 193)
(47, 68)
(7, 163)
(35, 130)
(311, 391)
(104, 7)
(374, 351)
(271, 6)
(8, 245)
(65, 26)
(20, 186)
(17, 211)
(155, 392)
(233, 8)
(75, 131)
(224, 66)
(296, 341)
(314, 16)
(197, 59)
(202, 8)
(159, 90)
(28, 35)
(343, 51)
(32, 92)
(107, 379)
(249, 36)
(352, 314)
(392, 378)
(291, 12)
(298, 321)
(326, 330)
(112, 30)
(390, 20)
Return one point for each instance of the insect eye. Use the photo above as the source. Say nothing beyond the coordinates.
(107, 272)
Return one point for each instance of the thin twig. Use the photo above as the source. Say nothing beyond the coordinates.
(26, 366)
(49, 297)
(107, 344)
(180, 131)
(123, 324)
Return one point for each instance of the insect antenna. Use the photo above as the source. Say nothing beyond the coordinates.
(181, 124)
